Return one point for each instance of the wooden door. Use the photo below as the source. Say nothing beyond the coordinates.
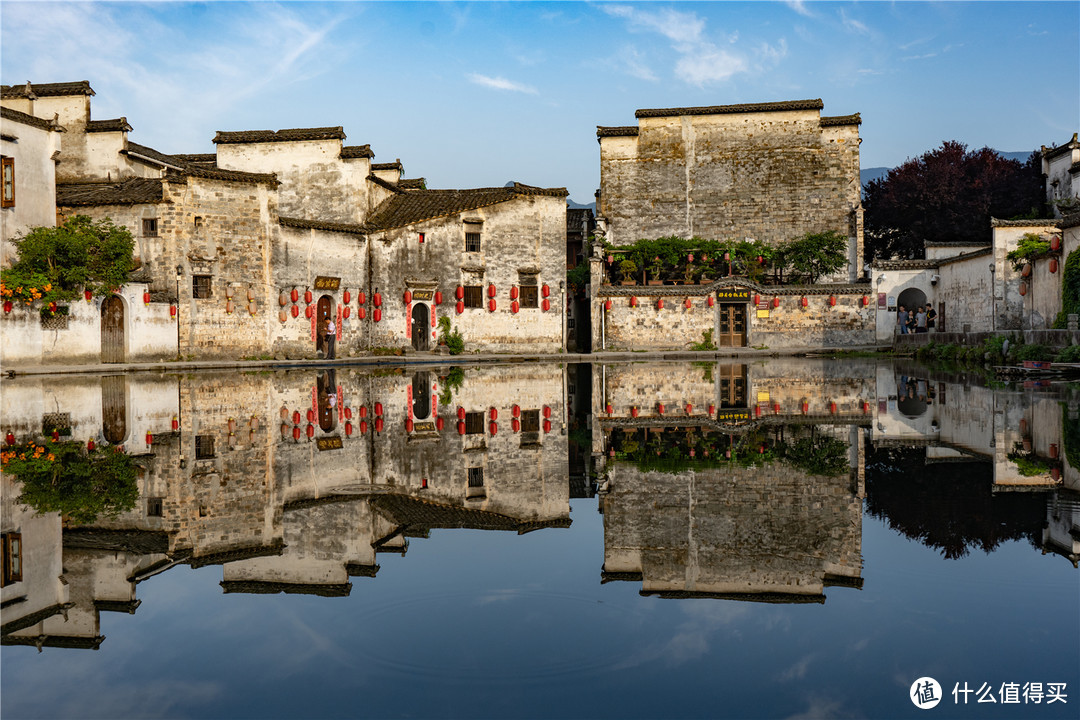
(420, 320)
(732, 385)
(325, 387)
(732, 325)
(114, 408)
(112, 330)
(322, 319)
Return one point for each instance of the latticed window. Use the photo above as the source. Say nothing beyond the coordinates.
(155, 507)
(149, 227)
(200, 286)
(12, 556)
(530, 421)
(472, 236)
(530, 295)
(8, 199)
(474, 423)
(60, 422)
(204, 447)
(474, 296)
(476, 477)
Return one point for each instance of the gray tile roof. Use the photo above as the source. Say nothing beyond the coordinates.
(396, 165)
(385, 184)
(152, 154)
(21, 117)
(133, 191)
(1070, 221)
(412, 184)
(406, 511)
(415, 206)
(1040, 222)
(201, 158)
(356, 151)
(839, 120)
(28, 89)
(319, 225)
(287, 135)
(617, 131)
(115, 125)
(815, 104)
(267, 587)
(215, 173)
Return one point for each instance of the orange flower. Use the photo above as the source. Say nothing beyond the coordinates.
(50, 457)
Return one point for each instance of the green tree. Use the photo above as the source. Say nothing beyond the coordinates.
(815, 254)
(66, 478)
(54, 264)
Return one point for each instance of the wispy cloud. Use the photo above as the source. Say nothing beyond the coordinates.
(800, 7)
(500, 83)
(701, 61)
(853, 25)
(798, 670)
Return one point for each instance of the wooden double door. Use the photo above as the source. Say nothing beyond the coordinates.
(732, 326)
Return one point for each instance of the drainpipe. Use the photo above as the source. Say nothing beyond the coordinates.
(603, 329)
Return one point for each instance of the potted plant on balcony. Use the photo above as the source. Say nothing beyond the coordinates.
(655, 268)
(627, 268)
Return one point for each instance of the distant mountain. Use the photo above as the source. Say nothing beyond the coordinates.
(575, 205)
(876, 173)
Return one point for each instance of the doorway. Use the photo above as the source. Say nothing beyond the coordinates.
(112, 329)
(322, 319)
(732, 325)
(114, 408)
(420, 320)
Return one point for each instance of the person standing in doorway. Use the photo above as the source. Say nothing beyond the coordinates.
(931, 314)
(331, 336)
(902, 320)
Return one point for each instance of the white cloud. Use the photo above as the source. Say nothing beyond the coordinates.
(701, 61)
(799, 6)
(852, 24)
(500, 83)
(633, 63)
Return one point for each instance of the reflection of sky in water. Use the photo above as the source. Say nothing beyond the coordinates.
(488, 624)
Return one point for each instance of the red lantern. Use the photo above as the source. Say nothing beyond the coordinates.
(90, 445)
(378, 424)
(832, 408)
(805, 407)
(608, 409)
(610, 259)
(294, 295)
(310, 415)
(10, 439)
(865, 407)
(757, 299)
(460, 307)
(711, 301)
(361, 313)
(309, 312)
(688, 304)
(545, 291)
(804, 302)
(832, 301)
(493, 428)
(660, 408)
(461, 427)
(776, 302)
(310, 431)
(295, 310)
(633, 301)
(361, 298)
(633, 412)
(712, 410)
(172, 311)
(346, 297)
(284, 429)
(515, 425)
(376, 315)
(409, 425)
(363, 411)
(689, 409)
(513, 292)
(491, 290)
(547, 426)
(408, 297)
(547, 411)
(378, 409)
(346, 312)
(348, 429)
(757, 411)
(1053, 451)
(493, 413)
(760, 260)
(515, 411)
(296, 417)
(87, 294)
(439, 424)
(607, 304)
(438, 297)
(175, 424)
(461, 413)
(660, 304)
(1055, 243)
(776, 408)
(296, 433)
(307, 296)
(146, 298)
(546, 305)
(514, 307)
(7, 306)
(149, 438)
(459, 292)
(491, 305)
(865, 300)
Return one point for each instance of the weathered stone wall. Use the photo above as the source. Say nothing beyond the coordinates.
(772, 176)
(524, 235)
(72, 113)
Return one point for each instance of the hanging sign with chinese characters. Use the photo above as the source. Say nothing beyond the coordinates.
(733, 295)
(327, 283)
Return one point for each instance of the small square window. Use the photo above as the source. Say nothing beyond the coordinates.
(8, 198)
(149, 227)
(472, 236)
(12, 558)
(155, 507)
(530, 296)
(200, 287)
(530, 421)
(475, 489)
(474, 423)
(204, 447)
(474, 296)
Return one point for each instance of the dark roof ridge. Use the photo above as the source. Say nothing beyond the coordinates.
(215, 173)
(413, 206)
(129, 191)
(1038, 222)
(384, 183)
(779, 106)
(1053, 152)
(30, 90)
(303, 224)
(152, 154)
(119, 124)
(31, 120)
(356, 151)
(841, 120)
(616, 131)
(285, 135)
(396, 165)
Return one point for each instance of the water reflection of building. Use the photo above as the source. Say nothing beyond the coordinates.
(702, 493)
(290, 482)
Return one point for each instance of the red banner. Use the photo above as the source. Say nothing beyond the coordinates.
(338, 326)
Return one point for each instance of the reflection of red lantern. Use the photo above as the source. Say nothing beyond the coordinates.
(87, 294)
(284, 429)
(348, 429)
(296, 433)
(1023, 288)
(439, 424)
(90, 445)
(10, 439)
(409, 425)
(56, 436)
(7, 306)
(378, 409)
(493, 428)
(363, 427)
(633, 412)
(1053, 265)
(514, 306)
(310, 431)
(294, 295)
(776, 408)
(1053, 451)
(378, 424)
(461, 427)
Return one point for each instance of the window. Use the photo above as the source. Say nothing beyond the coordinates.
(530, 421)
(474, 423)
(60, 422)
(149, 227)
(9, 182)
(204, 447)
(476, 484)
(154, 507)
(200, 286)
(529, 297)
(472, 236)
(12, 550)
(474, 296)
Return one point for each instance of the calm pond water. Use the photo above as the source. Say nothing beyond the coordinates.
(776, 539)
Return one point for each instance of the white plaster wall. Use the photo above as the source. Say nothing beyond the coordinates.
(892, 283)
(1059, 185)
(103, 158)
(965, 288)
(35, 183)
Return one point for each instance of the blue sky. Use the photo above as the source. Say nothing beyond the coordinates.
(476, 94)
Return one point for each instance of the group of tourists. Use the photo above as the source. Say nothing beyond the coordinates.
(920, 319)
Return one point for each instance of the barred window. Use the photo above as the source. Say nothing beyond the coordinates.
(204, 447)
(530, 421)
(8, 199)
(200, 286)
(149, 227)
(476, 477)
(530, 297)
(472, 236)
(155, 507)
(12, 557)
(474, 423)
(474, 296)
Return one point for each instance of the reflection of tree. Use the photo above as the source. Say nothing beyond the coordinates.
(949, 506)
(1070, 431)
(67, 478)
